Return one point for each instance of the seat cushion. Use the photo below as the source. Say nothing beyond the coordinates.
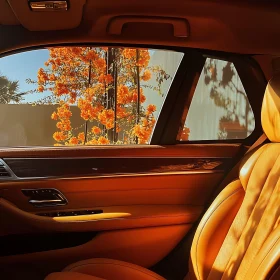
(108, 269)
(71, 276)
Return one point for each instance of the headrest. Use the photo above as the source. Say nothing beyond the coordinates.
(271, 109)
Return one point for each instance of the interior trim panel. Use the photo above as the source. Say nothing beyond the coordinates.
(73, 167)
(179, 150)
(98, 192)
(114, 217)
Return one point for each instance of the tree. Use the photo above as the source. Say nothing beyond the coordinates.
(9, 91)
(105, 84)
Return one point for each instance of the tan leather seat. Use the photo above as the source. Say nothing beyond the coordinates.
(100, 269)
(239, 235)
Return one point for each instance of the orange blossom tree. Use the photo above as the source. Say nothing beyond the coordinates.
(105, 84)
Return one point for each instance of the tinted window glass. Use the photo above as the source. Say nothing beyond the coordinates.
(83, 95)
(220, 108)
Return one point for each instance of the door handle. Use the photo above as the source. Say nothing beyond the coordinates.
(45, 197)
(180, 25)
(34, 201)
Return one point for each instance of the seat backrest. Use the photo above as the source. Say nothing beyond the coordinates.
(239, 235)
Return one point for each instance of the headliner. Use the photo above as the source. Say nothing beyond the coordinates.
(249, 27)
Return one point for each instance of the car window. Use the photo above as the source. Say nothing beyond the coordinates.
(219, 109)
(83, 95)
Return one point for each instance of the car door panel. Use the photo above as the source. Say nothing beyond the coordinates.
(118, 217)
(149, 196)
(163, 189)
(180, 150)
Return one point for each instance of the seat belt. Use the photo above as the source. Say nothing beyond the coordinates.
(233, 174)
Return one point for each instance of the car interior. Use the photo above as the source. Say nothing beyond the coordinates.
(139, 140)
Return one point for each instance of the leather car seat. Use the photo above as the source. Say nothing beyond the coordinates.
(239, 235)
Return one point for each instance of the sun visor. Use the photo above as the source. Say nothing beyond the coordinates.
(36, 15)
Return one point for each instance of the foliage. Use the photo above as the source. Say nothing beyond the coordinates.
(9, 91)
(185, 134)
(108, 86)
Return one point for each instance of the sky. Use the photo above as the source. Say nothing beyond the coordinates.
(22, 66)
(25, 65)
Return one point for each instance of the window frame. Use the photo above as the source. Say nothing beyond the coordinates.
(179, 97)
(254, 83)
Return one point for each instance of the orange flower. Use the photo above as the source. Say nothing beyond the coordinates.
(106, 117)
(107, 79)
(41, 88)
(54, 116)
(121, 112)
(59, 136)
(74, 141)
(81, 136)
(59, 125)
(123, 94)
(129, 53)
(64, 125)
(92, 142)
(142, 98)
(134, 96)
(185, 134)
(91, 55)
(142, 133)
(153, 121)
(52, 77)
(103, 141)
(96, 130)
(109, 113)
(144, 59)
(63, 112)
(58, 61)
(145, 122)
(90, 111)
(100, 64)
(42, 76)
(85, 73)
(61, 89)
(150, 109)
(110, 124)
(76, 50)
(73, 95)
(146, 76)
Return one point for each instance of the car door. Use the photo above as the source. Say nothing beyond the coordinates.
(129, 179)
